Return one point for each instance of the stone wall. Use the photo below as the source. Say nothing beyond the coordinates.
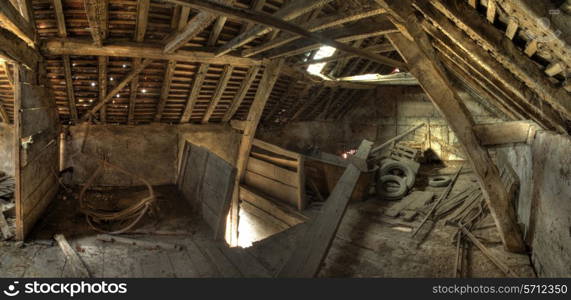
(390, 112)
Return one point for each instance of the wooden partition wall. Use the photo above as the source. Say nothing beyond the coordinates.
(36, 152)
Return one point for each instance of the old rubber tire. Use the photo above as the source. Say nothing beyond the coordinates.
(439, 181)
(407, 171)
(394, 193)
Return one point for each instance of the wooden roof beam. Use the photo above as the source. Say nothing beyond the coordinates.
(226, 74)
(69, 89)
(15, 50)
(315, 25)
(98, 19)
(60, 18)
(244, 88)
(139, 50)
(102, 85)
(451, 36)
(290, 11)
(272, 21)
(194, 92)
(11, 19)
(143, 7)
(126, 80)
(504, 50)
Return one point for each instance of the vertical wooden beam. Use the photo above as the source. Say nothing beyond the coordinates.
(97, 16)
(69, 88)
(102, 70)
(60, 18)
(312, 248)
(426, 67)
(244, 87)
(194, 92)
(165, 89)
(143, 7)
(226, 74)
(271, 74)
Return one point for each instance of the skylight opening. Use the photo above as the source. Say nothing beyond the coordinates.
(323, 52)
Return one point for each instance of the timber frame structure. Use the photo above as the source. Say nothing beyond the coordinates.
(204, 61)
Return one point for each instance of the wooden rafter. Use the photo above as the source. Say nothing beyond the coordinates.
(290, 11)
(11, 19)
(139, 50)
(143, 7)
(126, 80)
(269, 78)
(276, 107)
(429, 71)
(194, 92)
(97, 16)
(226, 74)
(60, 18)
(69, 88)
(308, 102)
(315, 25)
(358, 31)
(195, 26)
(15, 50)
(381, 48)
(165, 90)
(239, 97)
(133, 92)
(102, 80)
(272, 21)
(504, 50)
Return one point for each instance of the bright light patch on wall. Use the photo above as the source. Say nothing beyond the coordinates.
(323, 52)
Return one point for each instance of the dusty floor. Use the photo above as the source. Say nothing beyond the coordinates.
(368, 244)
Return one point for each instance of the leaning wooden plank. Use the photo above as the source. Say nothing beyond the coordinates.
(272, 171)
(137, 242)
(313, 247)
(78, 267)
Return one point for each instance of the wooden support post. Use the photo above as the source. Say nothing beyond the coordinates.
(194, 92)
(271, 74)
(312, 248)
(426, 67)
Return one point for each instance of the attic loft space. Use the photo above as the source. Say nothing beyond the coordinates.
(285, 138)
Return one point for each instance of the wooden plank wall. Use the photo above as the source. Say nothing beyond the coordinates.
(37, 162)
(277, 173)
(207, 182)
